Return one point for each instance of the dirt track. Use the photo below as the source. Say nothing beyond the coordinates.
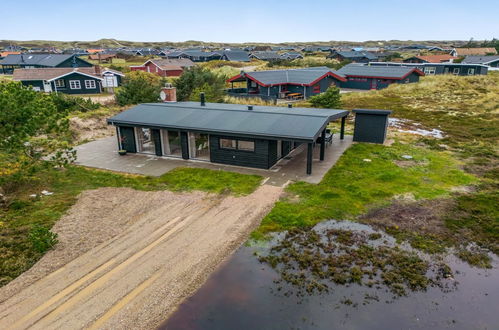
(127, 258)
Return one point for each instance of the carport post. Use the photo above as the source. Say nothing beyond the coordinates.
(342, 131)
(323, 144)
(309, 157)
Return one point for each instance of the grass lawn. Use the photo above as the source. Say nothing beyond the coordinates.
(353, 185)
(16, 221)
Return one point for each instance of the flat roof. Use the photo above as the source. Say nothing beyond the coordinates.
(299, 124)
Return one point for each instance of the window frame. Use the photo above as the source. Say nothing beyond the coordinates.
(246, 149)
(233, 142)
(236, 146)
(430, 70)
(90, 81)
(455, 71)
(316, 89)
(58, 84)
(472, 70)
(76, 83)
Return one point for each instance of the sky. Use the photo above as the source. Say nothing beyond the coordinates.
(249, 21)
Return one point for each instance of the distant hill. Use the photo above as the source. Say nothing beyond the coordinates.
(110, 43)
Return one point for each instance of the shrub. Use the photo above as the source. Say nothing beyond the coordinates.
(65, 103)
(329, 99)
(196, 80)
(139, 87)
(42, 238)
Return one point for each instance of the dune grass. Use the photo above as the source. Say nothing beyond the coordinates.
(366, 175)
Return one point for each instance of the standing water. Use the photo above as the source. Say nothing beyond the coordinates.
(245, 293)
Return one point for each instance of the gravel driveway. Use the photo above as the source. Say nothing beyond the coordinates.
(127, 258)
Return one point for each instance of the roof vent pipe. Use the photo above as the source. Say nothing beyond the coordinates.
(203, 99)
(290, 105)
(250, 107)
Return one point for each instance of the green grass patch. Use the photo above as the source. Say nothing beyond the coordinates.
(354, 185)
(20, 248)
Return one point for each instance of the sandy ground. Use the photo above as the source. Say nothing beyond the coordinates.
(90, 129)
(127, 258)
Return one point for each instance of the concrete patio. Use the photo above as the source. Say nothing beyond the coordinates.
(103, 154)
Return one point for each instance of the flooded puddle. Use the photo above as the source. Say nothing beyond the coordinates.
(245, 293)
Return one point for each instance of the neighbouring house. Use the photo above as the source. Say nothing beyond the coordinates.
(293, 83)
(233, 134)
(473, 51)
(5, 54)
(32, 61)
(94, 51)
(490, 61)
(88, 80)
(234, 55)
(165, 67)
(195, 55)
(458, 69)
(377, 77)
(291, 56)
(353, 56)
(430, 59)
(102, 58)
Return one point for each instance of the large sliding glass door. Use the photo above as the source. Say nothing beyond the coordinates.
(145, 144)
(171, 143)
(199, 146)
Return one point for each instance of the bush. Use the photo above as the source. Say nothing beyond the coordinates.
(42, 239)
(196, 80)
(65, 103)
(329, 99)
(139, 87)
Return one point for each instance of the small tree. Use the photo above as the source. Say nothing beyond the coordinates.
(139, 87)
(329, 99)
(196, 80)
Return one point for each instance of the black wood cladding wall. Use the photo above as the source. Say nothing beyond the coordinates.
(258, 158)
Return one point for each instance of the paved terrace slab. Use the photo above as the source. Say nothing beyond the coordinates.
(103, 154)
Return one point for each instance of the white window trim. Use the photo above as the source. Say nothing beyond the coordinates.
(455, 71)
(63, 85)
(471, 71)
(92, 84)
(76, 83)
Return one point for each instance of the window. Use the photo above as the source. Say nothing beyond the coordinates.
(317, 88)
(90, 84)
(430, 70)
(228, 144)
(455, 71)
(246, 145)
(471, 71)
(74, 84)
(237, 145)
(60, 83)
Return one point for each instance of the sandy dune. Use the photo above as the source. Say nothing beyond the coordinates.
(127, 258)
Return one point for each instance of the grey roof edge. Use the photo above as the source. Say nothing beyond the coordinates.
(376, 112)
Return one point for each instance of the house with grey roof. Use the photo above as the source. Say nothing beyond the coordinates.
(235, 55)
(353, 56)
(359, 76)
(488, 60)
(274, 84)
(457, 69)
(69, 80)
(32, 61)
(265, 55)
(232, 134)
(195, 55)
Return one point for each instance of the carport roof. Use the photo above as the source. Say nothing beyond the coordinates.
(299, 124)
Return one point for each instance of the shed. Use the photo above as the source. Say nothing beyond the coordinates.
(370, 125)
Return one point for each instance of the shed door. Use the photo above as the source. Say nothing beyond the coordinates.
(374, 83)
(127, 137)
